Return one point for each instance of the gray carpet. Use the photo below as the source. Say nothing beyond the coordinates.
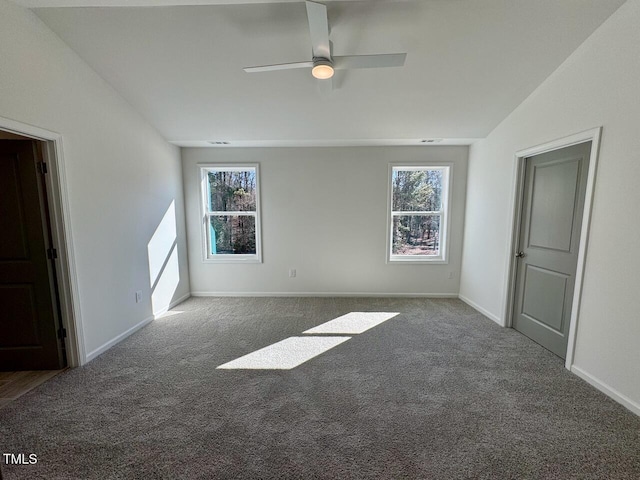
(437, 392)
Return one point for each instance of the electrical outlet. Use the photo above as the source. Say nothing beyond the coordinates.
(292, 273)
(138, 296)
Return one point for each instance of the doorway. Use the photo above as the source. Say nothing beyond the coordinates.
(30, 320)
(55, 225)
(548, 241)
(553, 193)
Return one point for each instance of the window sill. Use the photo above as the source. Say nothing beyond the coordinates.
(416, 261)
(233, 259)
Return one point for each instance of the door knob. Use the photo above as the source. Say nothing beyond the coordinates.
(519, 254)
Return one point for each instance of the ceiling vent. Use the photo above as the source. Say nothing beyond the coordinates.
(431, 140)
(219, 143)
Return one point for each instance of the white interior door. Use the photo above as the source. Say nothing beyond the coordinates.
(549, 238)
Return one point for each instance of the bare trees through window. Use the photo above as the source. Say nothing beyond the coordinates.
(417, 210)
(231, 210)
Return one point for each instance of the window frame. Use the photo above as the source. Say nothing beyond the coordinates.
(206, 214)
(444, 212)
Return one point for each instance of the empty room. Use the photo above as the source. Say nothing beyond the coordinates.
(319, 239)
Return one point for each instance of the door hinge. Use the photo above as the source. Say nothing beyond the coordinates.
(62, 333)
(52, 253)
(42, 168)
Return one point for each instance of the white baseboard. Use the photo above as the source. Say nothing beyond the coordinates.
(486, 313)
(93, 354)
(162, 311)
(321, 294)
(607, 390)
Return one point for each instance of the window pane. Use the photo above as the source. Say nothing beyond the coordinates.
(416, 235)
(232, 235)
(232, 191)
(417, 190)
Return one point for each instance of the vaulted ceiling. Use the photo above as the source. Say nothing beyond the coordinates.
(469, 64)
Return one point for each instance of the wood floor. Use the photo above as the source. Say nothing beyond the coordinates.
(15, 384)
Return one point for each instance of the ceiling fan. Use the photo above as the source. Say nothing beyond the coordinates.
(323, 63)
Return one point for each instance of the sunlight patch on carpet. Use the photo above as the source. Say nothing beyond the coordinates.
(353, 322)
(286, 354)
(170, 313)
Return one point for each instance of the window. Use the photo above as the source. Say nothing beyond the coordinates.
(419, 196)
(231, 213)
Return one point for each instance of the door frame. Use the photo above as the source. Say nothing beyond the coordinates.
(517, 193)
(58, 197)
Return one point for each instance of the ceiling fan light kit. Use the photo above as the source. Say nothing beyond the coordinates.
(322, 69)
(323, 64)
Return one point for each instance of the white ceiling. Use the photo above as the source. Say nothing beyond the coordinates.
(469, 64)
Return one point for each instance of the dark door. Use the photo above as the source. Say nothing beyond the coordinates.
(553, 203)
(28, 312)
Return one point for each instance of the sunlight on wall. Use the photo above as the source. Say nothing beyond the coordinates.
(164, 271)
(353, 322)
(287, 354)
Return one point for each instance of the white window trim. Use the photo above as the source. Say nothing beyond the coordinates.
(445, 213)
(205, 214)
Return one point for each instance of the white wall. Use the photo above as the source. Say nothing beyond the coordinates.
(122, 177)
(598, 85)
(324, 213)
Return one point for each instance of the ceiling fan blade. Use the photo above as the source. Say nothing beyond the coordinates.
(281, 66)
(319, 29)
(369, 61)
